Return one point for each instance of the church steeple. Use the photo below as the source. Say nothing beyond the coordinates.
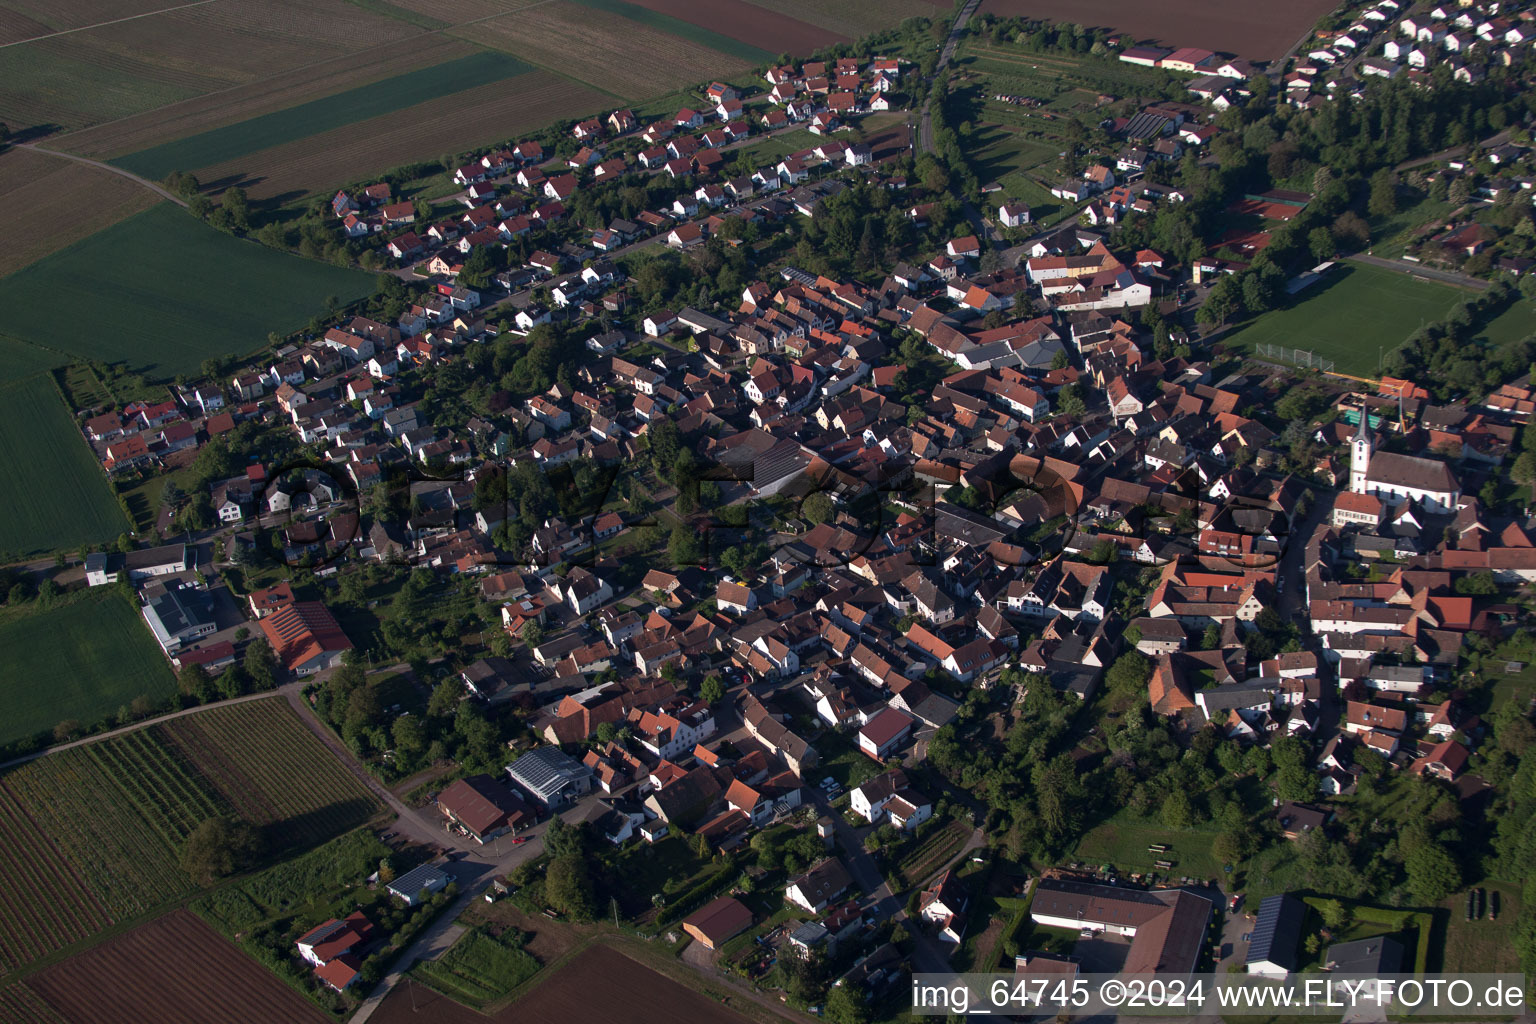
(1360, 452)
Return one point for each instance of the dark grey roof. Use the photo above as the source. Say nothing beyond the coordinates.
(1277, 934)
(418, 878)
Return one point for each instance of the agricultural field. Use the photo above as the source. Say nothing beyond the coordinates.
(20, 360)
(1355, 301)
(44, 196)
(122, 837)
(272, 770)
(47, 905)
(760, 35)
(1248, 30)
(854, 19)
(277, 92)
(606, 50)
(457, 12)
(96, 75)
(173, 970)
(56, 493)
(489, 114)
(328, 113)
(21, 1005)
(45, 17)
(154, 290)
(95, 653)
(630, 992)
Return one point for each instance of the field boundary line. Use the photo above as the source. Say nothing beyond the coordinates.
(446, 32)
(157, 189)
(104, 24)
(123, 730)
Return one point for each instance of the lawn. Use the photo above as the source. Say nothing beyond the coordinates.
(1122, 842)
(58, 494)
(1484, 946)
(1514, 325)
(322, 115)
(164, 291)
(1354, 317)
(82, 660)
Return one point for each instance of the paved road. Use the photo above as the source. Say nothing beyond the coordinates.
(925, 122)
(158, 190)
(1443, 276)
(928, 955)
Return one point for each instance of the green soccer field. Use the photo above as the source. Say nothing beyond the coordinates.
(56, 495)
(163, 291)
(82, 660)
(1353, 317)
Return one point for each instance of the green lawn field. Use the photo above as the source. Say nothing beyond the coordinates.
(56, 495)
(163, 291)
(1514, 325)
(81, 660)
(233, 141)
(1354, 316)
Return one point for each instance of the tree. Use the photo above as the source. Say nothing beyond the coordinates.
(568, 887)
(1320, 242)
(1177, 811)
(818, 508)
(219, 847)
(713, 690)
(1433, 873)
(1129, 674)
(1220, 304)
(845, 1005)
(1383, 201)
(193, 681)
(260, 665)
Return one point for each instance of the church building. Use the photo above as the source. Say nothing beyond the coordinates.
(1393, 477)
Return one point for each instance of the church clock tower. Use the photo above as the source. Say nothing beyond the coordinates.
(1360, 452)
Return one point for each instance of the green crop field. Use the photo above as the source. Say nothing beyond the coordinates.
(683, 29)
(164, 291)
(322, 115)
(19, 360)
(1348, 317)
(56, 493)
(272, 770)
(81, 660)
